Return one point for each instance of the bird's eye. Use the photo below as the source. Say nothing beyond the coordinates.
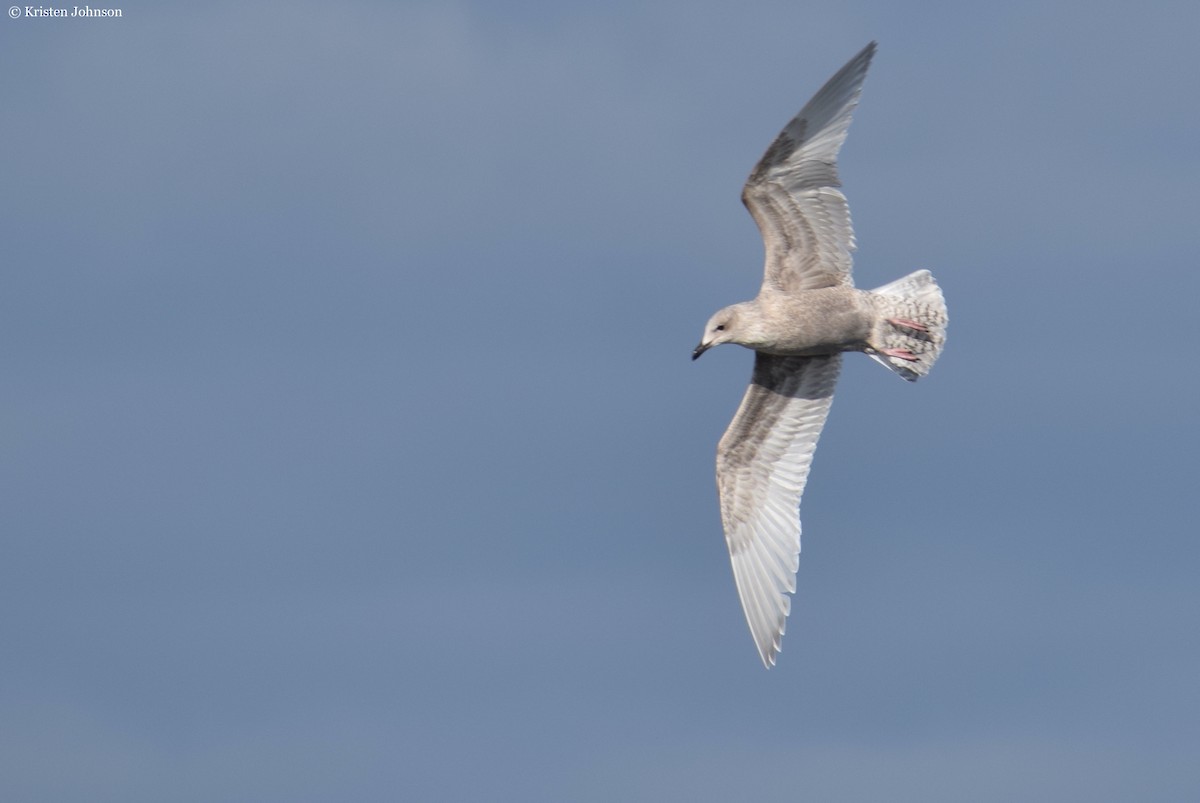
(721, 327)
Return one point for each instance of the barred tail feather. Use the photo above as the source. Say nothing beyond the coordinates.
(913, 299)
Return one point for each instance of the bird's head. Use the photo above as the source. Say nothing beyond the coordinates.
(721, 328)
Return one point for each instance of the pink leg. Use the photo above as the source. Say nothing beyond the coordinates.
(900, 354)
(905, 323)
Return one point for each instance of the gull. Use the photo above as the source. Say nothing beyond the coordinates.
(806, 314)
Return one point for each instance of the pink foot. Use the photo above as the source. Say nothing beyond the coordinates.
(905, 323)
(900, 354)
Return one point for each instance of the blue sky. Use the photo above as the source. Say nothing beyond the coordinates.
(351, 447)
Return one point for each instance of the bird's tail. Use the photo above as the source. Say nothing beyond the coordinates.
(911, 326)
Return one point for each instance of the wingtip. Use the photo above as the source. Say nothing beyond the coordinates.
(866, 54)
(770, 647)
(862, 60)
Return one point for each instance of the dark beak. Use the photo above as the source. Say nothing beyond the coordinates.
(700, 350)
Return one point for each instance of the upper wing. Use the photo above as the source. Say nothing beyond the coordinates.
(762, 467)
(792, 192)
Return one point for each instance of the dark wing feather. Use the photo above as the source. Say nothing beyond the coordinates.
(792, 191)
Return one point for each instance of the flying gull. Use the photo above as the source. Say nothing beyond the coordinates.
(807, 313)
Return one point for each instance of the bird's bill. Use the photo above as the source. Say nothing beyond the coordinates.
(700, 349)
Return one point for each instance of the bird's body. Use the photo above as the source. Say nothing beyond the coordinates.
(806, 314)
(806, 323)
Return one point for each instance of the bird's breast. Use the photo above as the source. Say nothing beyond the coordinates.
(814, 322)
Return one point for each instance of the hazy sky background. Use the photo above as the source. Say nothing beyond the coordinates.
(350, 448)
